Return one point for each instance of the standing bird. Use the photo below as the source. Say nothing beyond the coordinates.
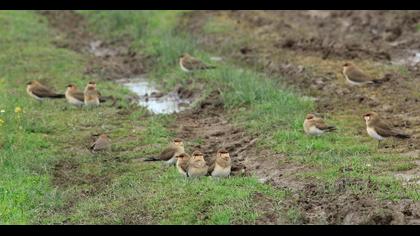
(169, 153)
(39, 91)
(182, 163)
(221, 167)
(316, 126)
(356, 76)
(189, 63)
(73, 96)
(197, 166)
(91, 95)
(101, 144)
(380, 129)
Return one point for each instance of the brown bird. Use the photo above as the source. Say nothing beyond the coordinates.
(169, 153)
(316, 126)
(73, 96)
(91, 95)
(189, 63)
(356, 76)
(221, 167)
(182, 163)
(197, 166)
(101, 144)
(76, 97)
(39, 91)
(380, 129)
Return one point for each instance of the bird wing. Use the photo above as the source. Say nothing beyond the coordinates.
(358, 75)
(167, 154)
(79, 96)
(41, 91)
(101, 144)
(194, 64)
(184, 165)
(385, 129)
(320, 124)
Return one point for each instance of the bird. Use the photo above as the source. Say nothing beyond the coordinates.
(316, 126)
(73, 96)
(102, 143)
(221, 167)
(169, 154)
(379, 129)
(76, 97)
(182, 163)
(91, 95)
(39, 91)
(197, 166)
(189, 63)
(356, 76)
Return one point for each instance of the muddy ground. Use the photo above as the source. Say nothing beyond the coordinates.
(277, 33)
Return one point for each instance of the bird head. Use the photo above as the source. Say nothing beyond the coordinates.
(183, 156)
(347, 65)
(184, 55)
(197, 155)
(223, 154)
(91, 84)
(71, 87)
(178, 142)
(310, 116)
(32, 82)
(370, 116)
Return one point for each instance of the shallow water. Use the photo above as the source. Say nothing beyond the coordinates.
(412, 58)
(151, 98)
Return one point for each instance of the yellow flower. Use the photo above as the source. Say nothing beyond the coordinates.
(18, 109)
(1, 122)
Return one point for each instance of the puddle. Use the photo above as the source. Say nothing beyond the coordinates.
(151, 98)
(411, 58)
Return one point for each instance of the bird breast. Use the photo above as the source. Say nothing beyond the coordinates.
(372, 133)
(220, 171)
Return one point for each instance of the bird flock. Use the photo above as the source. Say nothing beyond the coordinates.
(219, 165)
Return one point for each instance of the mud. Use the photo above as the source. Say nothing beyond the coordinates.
(306, 49)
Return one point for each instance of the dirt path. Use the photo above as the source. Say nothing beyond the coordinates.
(210, 123)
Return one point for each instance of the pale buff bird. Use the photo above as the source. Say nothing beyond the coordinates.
(182, 163)
(316, 126)
(197, 166)
(222, 165)
(189, 63)
(380, 129)
(356, 76)
(40, 92)
(169, 154)
(103, 143)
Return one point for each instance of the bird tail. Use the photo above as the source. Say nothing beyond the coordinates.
(331, 128)
(58, 96)
(377, 81)
(151, 159)
(208, 67)
(402, 136)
